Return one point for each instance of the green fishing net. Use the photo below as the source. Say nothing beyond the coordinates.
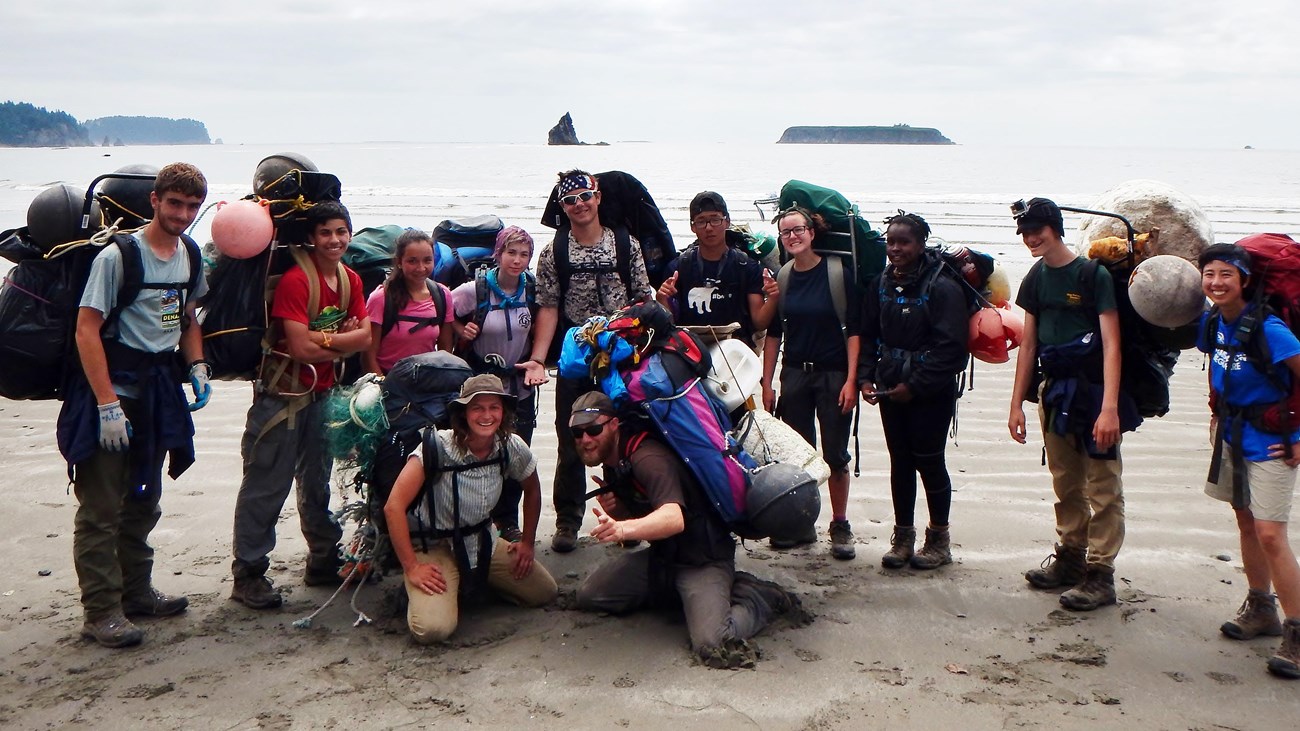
(355, 421)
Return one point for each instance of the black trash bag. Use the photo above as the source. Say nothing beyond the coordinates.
(38, 319)
(234, 314)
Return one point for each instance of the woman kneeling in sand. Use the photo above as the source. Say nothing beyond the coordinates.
(439, 518)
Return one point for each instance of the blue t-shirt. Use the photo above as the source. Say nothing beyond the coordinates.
(1249, 385)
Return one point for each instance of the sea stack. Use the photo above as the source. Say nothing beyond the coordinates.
(563, 133)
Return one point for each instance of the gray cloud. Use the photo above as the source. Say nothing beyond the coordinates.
(1192, 73)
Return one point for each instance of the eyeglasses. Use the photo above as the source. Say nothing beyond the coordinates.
(592, 430)
(794, 231)
(573, 200)
(709, 222)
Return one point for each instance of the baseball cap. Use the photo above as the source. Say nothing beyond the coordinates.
(708, 201)
(1037, 213)
(590, 407)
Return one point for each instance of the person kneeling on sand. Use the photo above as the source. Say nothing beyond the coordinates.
(690, 561)
(439, 516)
(1257, 446)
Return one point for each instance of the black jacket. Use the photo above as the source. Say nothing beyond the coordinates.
(914, 329)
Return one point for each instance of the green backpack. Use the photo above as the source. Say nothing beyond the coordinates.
(851, 236)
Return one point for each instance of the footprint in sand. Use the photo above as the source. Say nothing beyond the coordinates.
(807, 655)
(1223, 678)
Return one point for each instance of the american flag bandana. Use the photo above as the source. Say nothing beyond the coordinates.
(570, 183)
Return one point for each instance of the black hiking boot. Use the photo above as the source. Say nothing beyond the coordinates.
(564, 540)
(1097, 590)
(902, 544)
(1063, 568)
(1286, 663)
(936, 552)
(1258, 616)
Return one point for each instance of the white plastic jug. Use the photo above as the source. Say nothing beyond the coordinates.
(735, 374)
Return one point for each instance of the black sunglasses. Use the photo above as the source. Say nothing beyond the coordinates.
(591, 430)
(572, 200)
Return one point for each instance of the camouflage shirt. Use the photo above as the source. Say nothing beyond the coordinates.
(590, 293)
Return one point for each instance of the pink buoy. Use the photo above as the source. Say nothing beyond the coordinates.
(994, 332)
(243, 229)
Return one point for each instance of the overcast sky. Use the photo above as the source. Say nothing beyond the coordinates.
(1169, 73)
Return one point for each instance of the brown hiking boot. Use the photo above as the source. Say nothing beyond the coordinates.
(256, 592)
(936, 552)
(902, 543)
(113, 630)
(842, 540)
(1097, 590)
(1286, 663)
(154, 603)
(564, 540)
(1257, 616)
(1063, 568)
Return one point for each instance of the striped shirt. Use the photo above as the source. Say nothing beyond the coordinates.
(479, 487)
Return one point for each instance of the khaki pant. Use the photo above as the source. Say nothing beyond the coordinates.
(1089, 498)
(433, 617)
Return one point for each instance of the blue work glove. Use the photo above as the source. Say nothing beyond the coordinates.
(200, 377)
(114, 429)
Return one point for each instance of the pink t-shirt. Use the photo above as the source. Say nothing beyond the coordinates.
(401, 341)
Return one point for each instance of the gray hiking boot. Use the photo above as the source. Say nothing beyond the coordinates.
(564, 540)
(842, 540)
(1097, 590)
(323, 573)
(936, 552)
(113, 630)
(154, 603)
(902, 544)
(256, 592)
(1286, 663)
(1258, 616)
(1063, 568)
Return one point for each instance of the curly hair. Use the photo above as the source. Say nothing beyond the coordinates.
(183, 178)
(460, 423)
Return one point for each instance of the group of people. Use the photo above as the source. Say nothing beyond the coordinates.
(454, 512)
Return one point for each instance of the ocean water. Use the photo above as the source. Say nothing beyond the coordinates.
(962, 191)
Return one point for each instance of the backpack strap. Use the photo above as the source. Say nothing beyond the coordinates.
(623, 260)
(133, 278)
(391, 317)
(434, 466)
(839, 295)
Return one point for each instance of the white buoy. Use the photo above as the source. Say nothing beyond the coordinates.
(1166, 291)
(1185, 230)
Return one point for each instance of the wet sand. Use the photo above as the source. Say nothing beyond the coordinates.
(968, 646)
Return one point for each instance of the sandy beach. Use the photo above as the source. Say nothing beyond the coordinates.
(966, 646)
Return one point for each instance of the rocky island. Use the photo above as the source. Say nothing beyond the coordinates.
(148, 131)
(899, 134)
(563, 133)
(26, 125)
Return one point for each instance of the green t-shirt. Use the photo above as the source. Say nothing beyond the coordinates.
(1056, 297)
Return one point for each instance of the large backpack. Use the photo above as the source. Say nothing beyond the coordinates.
(39, 302)
(1147, 361)
(850, 237)
(417, 392)
(624, 204)
(471, 242)
(661, 392)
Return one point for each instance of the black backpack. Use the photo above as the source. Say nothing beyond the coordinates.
(39, 302)
(624, 203)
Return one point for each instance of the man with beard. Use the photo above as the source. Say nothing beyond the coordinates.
(690, 562)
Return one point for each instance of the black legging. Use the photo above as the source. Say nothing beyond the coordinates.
(916, 433)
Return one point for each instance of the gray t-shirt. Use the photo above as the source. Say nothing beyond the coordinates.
(152, 322)
(479, 488)
(511, 342)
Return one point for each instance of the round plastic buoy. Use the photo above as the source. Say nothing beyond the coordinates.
(242, 230)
